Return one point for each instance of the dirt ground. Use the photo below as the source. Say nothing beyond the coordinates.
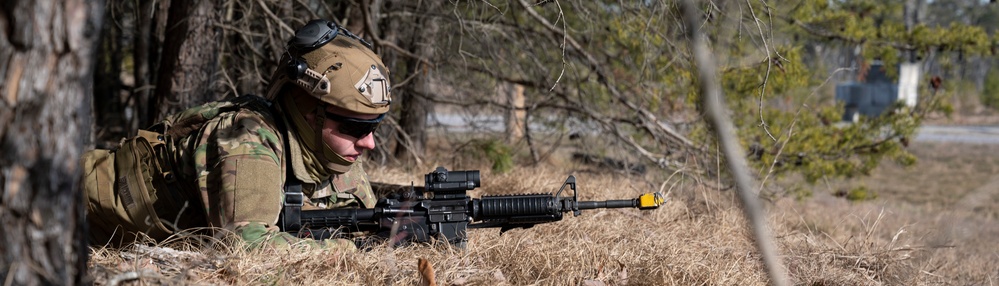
(948, 204)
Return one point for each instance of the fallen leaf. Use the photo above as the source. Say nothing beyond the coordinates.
(427, 272)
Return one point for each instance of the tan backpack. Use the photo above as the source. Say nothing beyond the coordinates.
(121, 189)
(132, 189)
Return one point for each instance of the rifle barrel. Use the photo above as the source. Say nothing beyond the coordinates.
(608, 204)
(644, 202)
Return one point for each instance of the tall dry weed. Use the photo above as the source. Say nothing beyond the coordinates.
(698, 238)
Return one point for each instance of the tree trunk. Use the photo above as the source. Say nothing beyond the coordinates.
(108, 105)
(516, 115)
(46, 83)
(190, 57)
(414, 104)
(910, 68)
(142, 44)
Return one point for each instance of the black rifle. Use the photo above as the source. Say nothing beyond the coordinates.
(443, 210)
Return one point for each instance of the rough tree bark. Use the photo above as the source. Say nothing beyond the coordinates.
(46, 62)
(189, 62)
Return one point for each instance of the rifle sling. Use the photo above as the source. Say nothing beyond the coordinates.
(290, 218)
(291, 214)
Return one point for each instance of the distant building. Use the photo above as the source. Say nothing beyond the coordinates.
(870, 97)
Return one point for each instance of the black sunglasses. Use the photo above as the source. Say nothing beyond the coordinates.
(354, 127)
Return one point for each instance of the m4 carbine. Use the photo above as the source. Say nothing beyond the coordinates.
(443, 210)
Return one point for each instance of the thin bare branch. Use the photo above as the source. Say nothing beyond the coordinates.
(718, 116)
(650, 120)
(277, 19)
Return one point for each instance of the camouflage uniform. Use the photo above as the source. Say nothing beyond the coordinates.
(225, 164)
(238, 158)
(235, 165)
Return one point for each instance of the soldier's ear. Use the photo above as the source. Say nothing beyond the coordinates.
(305, 102)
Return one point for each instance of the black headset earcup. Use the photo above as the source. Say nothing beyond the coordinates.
(296, 68)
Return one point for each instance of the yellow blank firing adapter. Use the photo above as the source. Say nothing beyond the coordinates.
(651, 201)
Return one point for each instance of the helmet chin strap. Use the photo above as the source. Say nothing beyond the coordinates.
(329, 158)
(324, 160)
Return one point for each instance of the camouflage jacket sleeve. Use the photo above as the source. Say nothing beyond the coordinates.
(241, 174)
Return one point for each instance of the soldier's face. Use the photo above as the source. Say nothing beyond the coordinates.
(348, 146)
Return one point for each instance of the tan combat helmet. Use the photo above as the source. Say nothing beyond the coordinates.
(335, 66)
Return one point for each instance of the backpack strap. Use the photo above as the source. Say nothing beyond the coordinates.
(194, 118)
(290, 218)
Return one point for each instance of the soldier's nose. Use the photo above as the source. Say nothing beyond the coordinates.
(366, 142)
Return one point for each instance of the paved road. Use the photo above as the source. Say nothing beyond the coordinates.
(928, 133)
(963, 134)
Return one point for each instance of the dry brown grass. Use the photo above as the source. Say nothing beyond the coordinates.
(697, 238)
(948, 204)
